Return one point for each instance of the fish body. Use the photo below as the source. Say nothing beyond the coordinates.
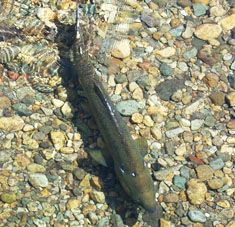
(129, 164)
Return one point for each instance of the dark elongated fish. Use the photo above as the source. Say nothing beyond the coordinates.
(129, 164)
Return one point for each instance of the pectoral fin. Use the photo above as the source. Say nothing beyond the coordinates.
(100, 157)
(142, 144)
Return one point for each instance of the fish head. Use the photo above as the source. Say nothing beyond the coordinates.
(136, 180)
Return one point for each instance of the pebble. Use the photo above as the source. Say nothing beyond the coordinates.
(204, 172)
(190, 53)
(174, 132)
(196, 216)
(231, 98)
(218, 98)
(199, 9)
(215, 183)
(196, 191)
(137, 118)
(98, 197)
(11, 124)
(208, 31)
(196, 124)
(38, 180)
(162, 174)
(171, 198)
(231, 79)
(127, 108)
(121, 49)
(8, 197)
(35, 168)
(180, 182)
(216, 163)
(58, 139)
(223, 203)
(228, 22)
(166, 70)
(166, 52)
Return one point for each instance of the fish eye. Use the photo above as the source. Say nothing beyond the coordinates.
(145, 164)
(133, 174)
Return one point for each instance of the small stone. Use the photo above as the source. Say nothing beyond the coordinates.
(228, 23)
(165, 223)
(166, 52)
(196, 191)
(217, 11)
(206, 57)
(218, 98)
(188, 137)
(210, 121)
(103, 222)
(215, 183)
(181, 150)
(204, 172)
(223, 203)
(11, 124)
(196, 216)
(73, 204)
(194, 107)
(148, 121)
(138, 94)
(183, 3)
(79, 173)
(231, 124)
(171, 198)
(121, 49)
(231, 98)
(196, 124)
(208, 31)
(174, 132)
(162, 174)
(180, 182)
(92, 217)
(199, 9)
(8, 197)
(137, 118)
(190, 53)
(85, 181)
(162, 110)
(127, 108)
(35, 168)
(166, 70)
(4, 102)
(211, 79)
(156, 133)
(46, 14)
(217, 163)
(67, 110)
(57, 103)
(205, 2)
(38, 180)
(231, 79)
(97, 183)
(98, 197)
(58, 139)
(148, 20)
(176, 32)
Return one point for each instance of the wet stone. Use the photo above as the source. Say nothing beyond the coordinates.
(166, 70)
(210, 121)
(176, 32)
(167, 88)
(185, 172)
(180, 182)
(215, 183)
(204, 172)
(216, 163)
(127, 108)
(38, 180)
(21, 109)
(103, 222)
(190, 53)
(218, 98)
(8, 197)
(196, 216)
(231, 79)
(39, 136)
(196, 191)
(5, 156)
(199, 9)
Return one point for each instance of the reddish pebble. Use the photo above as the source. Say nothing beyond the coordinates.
(196, 160)
(13, 75)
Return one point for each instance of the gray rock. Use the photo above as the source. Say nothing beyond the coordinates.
(185, 172)
(21, 109)
(180, 182)
(190, 53)
(166, 70)
(117, 220)
(217, 163)
(196, 216)
(210, 121)
(176, 32)
(174, 132)
(120, 78)
(38, 180)
(162, 174)
(233, 65)
(167, 88)
(199, 9)
(4, 156)
(103, 222)
(196, 124)
(23, 92)
(231, 79)
(127, 108)
(148, 20)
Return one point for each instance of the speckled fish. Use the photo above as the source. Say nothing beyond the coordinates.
(129, 164)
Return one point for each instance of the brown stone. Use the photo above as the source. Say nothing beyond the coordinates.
(231, 124)
(218, 98)
(204, 172)
(171, 198)
(230, 98)
(206, 57)
(211, 79)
